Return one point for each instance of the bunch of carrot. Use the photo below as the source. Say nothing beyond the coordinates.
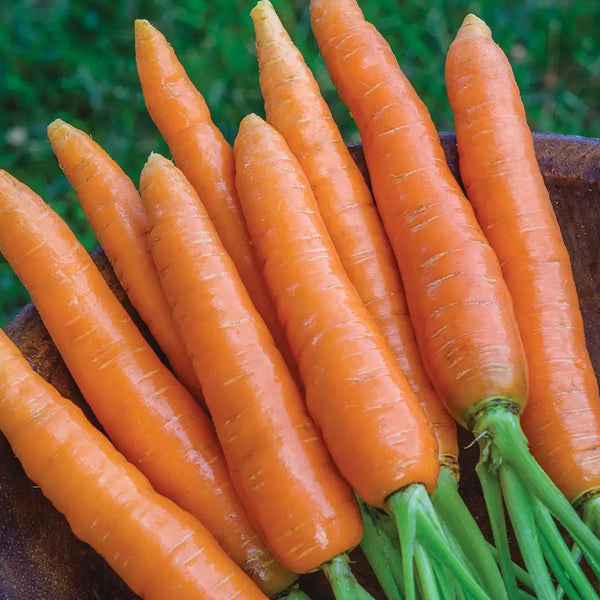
(333, 343)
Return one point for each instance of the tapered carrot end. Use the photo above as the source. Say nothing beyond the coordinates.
(156, 161)
(473, 27)
(58, 131)
(251, 121)
(265, 20)
(144, 29)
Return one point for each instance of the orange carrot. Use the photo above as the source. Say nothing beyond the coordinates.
(206, 159)
(458, 300)
(371, 421)
(157, 548)
(305, 512)
(505, 186)
(112, 205)
(295, 107)
(145, 411)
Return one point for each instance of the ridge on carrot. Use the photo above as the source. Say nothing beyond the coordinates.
(304, 510)
(157, 548)
(505, 187)
(461, 308)
(112, 206)
(199, 149)
(372, 423)
(295, 107)
(145, 411)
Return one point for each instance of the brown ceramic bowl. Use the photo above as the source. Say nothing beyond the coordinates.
(40, 559)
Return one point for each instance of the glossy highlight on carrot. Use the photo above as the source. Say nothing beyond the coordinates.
(505, 186)
(157, 548)
(146, 412)
(295, 107)
(202, 153)
(112, 206)
(278, 462)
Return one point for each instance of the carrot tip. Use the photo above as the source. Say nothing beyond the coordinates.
(142, 26)
(473, 27)
(58, 129)
(262, 6)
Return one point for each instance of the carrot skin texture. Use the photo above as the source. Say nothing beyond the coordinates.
(202, 153)
(113, 207)
(157, 548)
(505, 186)
(145, 411)
(458, 302)
(371, 421)
(305, 511)
(295, 107)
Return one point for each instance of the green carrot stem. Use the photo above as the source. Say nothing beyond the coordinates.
(576, 554)
(445, 583)
(426, 575)
(404, 507)
(563, 580)
(590, 508)
(462, 525)
(381, 555)
(295, 593)
(559, 549)
(519, 504)
(521, 574)
(492, 494)
(508, 445)
(412, 509)
(343, 583)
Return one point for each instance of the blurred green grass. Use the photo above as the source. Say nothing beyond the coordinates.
(75, 60)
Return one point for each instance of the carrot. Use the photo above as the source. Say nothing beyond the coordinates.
(305, 512)
(295, 107)
(112, 205)
(202, 153)
(505, 186)
(459, 303)
(157, 548)
(145, 411)
(372, 423)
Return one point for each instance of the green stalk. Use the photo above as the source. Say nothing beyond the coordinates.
(426, 575)
(508, 445)
(342, 580)
(520, 508)
(445, 583)
(462, 526)
(590, 507)
(295, 593)
(521, 574)
(492, 494)
(381, 555)
(560, 550)
(576, 554)
(564, 582)
(417, 521)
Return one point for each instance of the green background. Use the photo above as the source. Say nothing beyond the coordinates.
(75, 60)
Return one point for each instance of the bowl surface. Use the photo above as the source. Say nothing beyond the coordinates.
(39, 556)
